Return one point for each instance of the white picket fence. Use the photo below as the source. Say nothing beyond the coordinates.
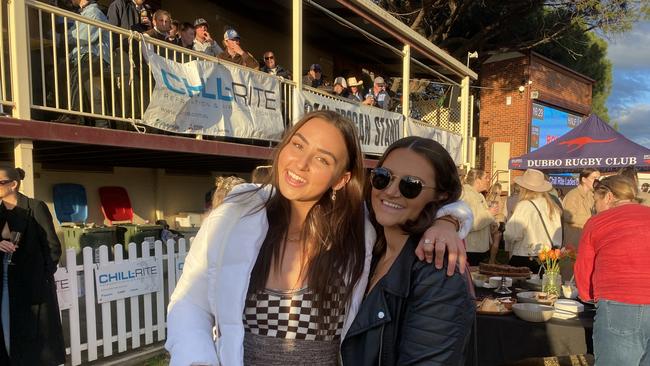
(124, 323)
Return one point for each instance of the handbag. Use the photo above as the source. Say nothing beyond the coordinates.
(543, 223)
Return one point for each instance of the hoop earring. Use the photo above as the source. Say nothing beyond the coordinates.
(333, 196)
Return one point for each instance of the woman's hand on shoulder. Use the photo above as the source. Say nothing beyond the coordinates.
(441, 237)
(7, 246)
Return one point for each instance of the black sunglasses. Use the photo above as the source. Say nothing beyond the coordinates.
(269, 57)
(6, 181)
(409, 187)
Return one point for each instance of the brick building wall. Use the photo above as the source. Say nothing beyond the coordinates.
(505, 111)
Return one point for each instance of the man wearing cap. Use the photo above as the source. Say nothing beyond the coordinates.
(355, 89)
(234, 53)
(162, 22)
(314, 78)
(340, 87)
(203, 42)
(271, 66)
(377, 96)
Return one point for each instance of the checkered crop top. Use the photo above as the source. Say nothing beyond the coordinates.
(289, 315)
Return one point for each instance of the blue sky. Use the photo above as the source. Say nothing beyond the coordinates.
(629, 101)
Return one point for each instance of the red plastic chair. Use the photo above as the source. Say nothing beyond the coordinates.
(116, 205)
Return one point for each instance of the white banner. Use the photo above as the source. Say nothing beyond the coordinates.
(377, 128)
(203, 97)
(116, 281)
(450, 141)
(63, 290)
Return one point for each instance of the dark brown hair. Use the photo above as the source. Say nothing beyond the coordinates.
(333, 229)
(630, 172)
(447, 186)
(585, 173)
(15, 174)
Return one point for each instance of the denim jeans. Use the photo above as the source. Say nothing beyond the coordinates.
(622, 334)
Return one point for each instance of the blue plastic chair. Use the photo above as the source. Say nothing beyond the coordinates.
(70, 202)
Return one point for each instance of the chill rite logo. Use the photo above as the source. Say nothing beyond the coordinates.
(580, 142)
(128, 275)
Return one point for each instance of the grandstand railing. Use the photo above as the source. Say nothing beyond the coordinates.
(112, 81)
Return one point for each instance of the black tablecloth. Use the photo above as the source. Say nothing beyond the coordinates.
(500, 339)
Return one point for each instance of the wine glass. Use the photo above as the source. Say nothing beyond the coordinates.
(15, 239)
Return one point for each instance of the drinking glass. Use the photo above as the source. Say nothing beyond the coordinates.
(15, 239)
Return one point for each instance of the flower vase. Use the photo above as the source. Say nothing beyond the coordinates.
(552, 283)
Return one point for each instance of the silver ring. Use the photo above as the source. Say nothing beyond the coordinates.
(428, 242)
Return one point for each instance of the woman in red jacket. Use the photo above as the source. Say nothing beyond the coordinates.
(612, 269)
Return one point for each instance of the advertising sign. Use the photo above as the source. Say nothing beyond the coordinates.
(63, 290)
(450, 141)
(116, 281)
(549, 123)
(377, 128)
(179, 263)
(208, 98)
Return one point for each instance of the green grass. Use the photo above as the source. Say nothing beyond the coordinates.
(161, 360)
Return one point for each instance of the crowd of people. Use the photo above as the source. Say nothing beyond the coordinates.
(137, 15)
(605, 220)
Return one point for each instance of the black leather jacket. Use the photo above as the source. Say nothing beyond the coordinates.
(415, 315)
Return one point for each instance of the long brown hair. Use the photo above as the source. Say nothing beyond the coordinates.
(333, 229)
(447, 186)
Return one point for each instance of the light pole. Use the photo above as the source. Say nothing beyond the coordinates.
(471, 55)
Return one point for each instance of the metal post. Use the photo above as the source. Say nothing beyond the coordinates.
(19, 56)
(24, 158)
(464, 119)
(406, 79)
(296, 58)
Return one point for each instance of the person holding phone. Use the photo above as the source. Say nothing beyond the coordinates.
(31, 326)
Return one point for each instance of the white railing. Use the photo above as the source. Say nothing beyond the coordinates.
(122, 325)
(94, 70)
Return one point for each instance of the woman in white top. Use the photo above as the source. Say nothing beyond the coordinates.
(277, 272)
(535, 224)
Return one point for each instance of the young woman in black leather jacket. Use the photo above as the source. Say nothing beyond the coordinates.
(412, 313)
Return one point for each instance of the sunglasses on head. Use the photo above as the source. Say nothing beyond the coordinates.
(598, 184)
(6, 181)
(409, 187)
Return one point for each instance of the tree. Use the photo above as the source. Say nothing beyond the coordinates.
(460, 26)
(563, 30)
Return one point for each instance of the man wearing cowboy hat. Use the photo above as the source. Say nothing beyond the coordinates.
(355, 89)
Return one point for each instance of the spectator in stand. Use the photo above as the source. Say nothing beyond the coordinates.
(377, 96)
(162, 21)
(612, 269)
(234, 53)
(186, 35)
(355, 89)
(479, 239)
(261, 174)
(174, 33)
(578, 206)
(340, 87)
(203, 42)
(130, 14)
(645, 187)
(79, 57)
(630, 171)
(536, 223)
(314, 78)
(271, 66)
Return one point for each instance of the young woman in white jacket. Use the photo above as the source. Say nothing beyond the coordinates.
(276, 274)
